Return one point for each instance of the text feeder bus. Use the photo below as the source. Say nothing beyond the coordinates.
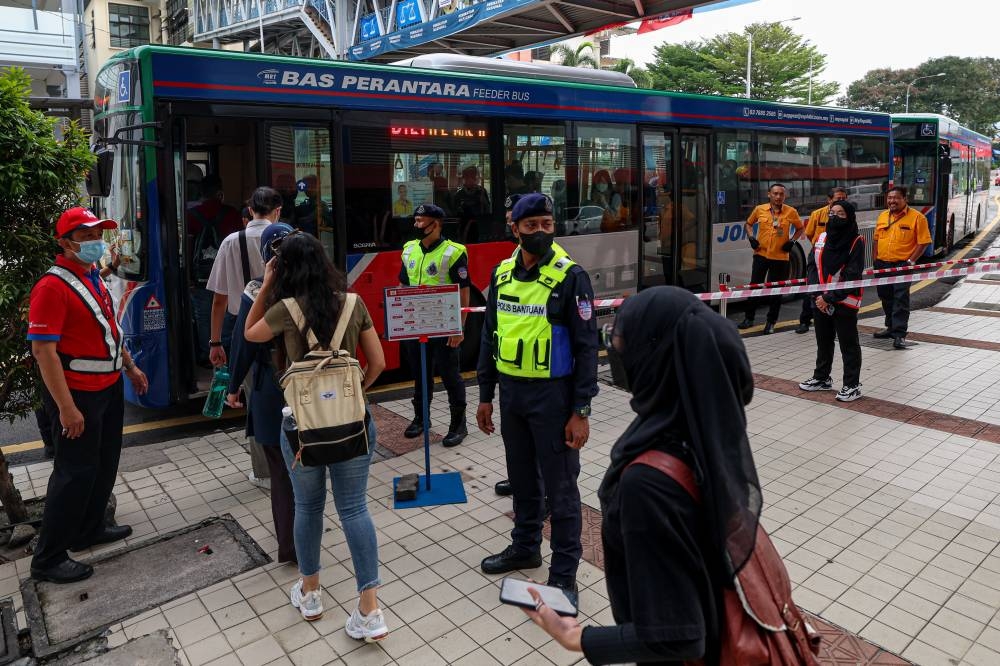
(648, 187)
(946, 170)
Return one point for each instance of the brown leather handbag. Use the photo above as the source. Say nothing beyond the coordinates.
(762, 626)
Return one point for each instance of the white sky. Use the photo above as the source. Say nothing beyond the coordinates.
(855, 35)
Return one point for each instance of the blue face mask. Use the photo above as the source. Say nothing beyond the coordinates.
(90, 252)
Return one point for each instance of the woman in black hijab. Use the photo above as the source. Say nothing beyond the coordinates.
(668, 556)
(838, 256)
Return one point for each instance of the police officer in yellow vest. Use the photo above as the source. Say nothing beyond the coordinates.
(433, 260)
(540, 342)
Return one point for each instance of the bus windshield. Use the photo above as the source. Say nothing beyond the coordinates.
(914, 169)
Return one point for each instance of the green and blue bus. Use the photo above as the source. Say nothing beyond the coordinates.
(946, 169)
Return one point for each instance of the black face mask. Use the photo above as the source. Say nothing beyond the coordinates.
(538, 243)
(835, 222)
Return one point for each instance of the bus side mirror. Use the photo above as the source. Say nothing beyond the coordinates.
(99, 178)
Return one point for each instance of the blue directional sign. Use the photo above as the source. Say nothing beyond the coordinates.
(124, 87)
(370, 28)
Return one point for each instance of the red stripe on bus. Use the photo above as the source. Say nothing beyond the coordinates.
(475, 102)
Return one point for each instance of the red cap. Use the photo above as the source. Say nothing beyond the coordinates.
(78, 217)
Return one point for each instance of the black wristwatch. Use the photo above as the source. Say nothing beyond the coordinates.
(215, 343)
(582, 412)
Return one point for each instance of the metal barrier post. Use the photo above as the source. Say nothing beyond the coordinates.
(724, 279)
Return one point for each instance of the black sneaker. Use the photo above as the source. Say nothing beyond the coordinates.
(746, 323)
(570, 590)
(769, 328)
(802, 328)
(813, 384)
(898, 342)
(884, 334)
(510, 559)
(849, 393)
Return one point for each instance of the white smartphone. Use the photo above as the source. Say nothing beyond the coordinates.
(515, 593)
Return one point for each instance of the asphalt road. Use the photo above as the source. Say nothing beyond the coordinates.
(146, 426)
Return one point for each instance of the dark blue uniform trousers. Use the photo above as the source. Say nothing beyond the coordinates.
(440, 358)
(533, 417)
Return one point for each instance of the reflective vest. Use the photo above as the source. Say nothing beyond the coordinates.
(527, 343)
(852, 300)
(430, 268)
(112, 360)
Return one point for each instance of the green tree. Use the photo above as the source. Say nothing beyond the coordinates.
(969, 91)
(638, 74)
(782, 64)
(581, 56)
(40, 177)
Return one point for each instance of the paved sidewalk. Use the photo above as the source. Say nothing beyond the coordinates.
(889, 528)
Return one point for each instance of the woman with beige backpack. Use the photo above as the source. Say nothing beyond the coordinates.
(302, 301)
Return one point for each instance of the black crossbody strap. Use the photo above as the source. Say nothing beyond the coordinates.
(244, 257)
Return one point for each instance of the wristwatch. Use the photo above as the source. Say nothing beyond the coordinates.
(215, 343)
(582, 412)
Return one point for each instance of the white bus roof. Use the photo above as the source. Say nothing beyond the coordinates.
(497, 66)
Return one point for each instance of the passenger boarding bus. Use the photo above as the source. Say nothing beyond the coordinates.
(946, 168)
(648, 187)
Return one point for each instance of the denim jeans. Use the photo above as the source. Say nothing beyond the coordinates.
(349, 481)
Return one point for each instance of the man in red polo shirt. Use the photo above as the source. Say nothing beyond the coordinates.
(77, 344)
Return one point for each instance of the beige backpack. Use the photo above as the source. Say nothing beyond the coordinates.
(325, 393)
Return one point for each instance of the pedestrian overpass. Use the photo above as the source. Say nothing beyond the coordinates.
(390, 30)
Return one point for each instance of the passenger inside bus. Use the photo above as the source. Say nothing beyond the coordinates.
(514, 179)
(471, 203)
(313, 215)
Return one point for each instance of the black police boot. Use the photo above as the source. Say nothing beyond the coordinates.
(457, 430)
(898, 342)
(416, 426)
(746, 323)
(884, 334)
(510, 559)
(503, 489)
(569, 589)
(769, 328)
(67, 571)
(803, 327)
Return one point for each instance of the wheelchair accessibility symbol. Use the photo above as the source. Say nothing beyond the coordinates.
(124, 87)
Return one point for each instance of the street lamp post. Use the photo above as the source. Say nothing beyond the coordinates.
(919, 78)
(811, 78)
(750, 49)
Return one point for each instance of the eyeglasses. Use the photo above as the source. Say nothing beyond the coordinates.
(276, 243)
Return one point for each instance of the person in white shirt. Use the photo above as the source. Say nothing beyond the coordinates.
(236, 264)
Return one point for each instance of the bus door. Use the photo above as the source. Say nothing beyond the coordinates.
(214, 162)
(299, 165)
(676, 213)
(943, 233)
(658, 210)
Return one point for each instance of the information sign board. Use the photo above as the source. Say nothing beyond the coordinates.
(416, 312)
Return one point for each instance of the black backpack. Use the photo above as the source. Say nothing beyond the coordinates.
(206, 245)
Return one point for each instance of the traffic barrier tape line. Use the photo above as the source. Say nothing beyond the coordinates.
(810, 288)
(870, 271)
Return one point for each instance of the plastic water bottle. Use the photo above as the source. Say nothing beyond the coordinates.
(216, 400)
(290, 427)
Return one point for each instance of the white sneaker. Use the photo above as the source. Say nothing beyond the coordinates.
(265, 484)
(813, 384)
(369, 628)
(849, 393)
(309, 604)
